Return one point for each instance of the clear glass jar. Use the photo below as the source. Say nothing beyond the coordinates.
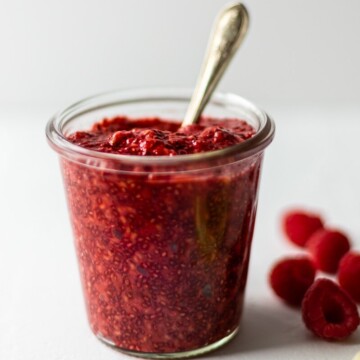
(163, 243)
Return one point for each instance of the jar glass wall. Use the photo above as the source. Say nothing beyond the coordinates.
(163, 243)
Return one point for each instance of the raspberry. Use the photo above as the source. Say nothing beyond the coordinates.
(328, 311)
(299, 226)
(291, 277)
(327, 247)
(349, 275)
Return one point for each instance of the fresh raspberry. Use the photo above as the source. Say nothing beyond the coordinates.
(349, 275)
(291, 277)
(299, 226)
(328, 311)
(327, 247)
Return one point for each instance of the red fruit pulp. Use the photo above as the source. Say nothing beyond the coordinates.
(157, 137)
(163, 257)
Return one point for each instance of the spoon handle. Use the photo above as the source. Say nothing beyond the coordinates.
(228, 33)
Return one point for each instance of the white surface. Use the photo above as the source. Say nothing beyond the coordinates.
(54, 53)
(314, 161)
(60, 51)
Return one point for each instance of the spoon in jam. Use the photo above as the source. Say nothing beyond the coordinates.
(228, 33)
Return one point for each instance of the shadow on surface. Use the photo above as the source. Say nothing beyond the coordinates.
(264, 327)
(271, 326)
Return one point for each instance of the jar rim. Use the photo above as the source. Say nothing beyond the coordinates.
(58, 141)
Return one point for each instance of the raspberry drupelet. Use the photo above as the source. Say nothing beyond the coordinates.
(299, 225)
(349, 274)
(327, 247)
(291, 277)
(328, 311)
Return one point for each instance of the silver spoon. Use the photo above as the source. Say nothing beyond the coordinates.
(228, 33)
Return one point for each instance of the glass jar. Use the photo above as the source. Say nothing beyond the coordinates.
(163, 243)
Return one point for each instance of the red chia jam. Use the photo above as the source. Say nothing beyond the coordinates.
(163, 255)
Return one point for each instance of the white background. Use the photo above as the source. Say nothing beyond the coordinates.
(54, 52)
(300, 62)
